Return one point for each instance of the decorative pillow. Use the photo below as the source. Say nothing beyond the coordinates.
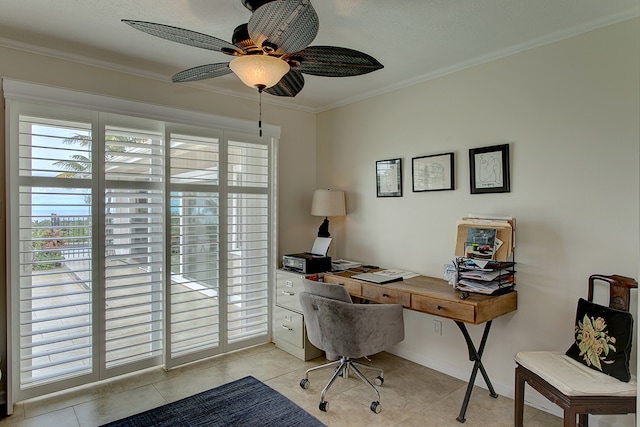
(603, 339)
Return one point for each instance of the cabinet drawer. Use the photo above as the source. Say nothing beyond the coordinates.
(379, 293)
(353, 286)
(288, 288)
(444, 308)
(289, 326)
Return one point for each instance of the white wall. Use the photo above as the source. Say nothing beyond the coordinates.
(570, 112)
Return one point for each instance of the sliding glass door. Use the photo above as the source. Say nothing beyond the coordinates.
(136, 243)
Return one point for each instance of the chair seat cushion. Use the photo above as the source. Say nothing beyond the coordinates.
(573, 378)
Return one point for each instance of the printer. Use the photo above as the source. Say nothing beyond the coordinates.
(312, 262)
(306, 263)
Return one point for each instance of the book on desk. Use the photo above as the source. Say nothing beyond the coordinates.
(385, 276)
(380, 279)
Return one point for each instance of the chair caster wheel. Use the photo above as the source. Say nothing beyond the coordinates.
(324, 406)
(375, 407)
(378, 380)
(304, 383)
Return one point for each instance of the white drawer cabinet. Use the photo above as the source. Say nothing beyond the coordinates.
(289, 331)
(288, 287)
(289, 327)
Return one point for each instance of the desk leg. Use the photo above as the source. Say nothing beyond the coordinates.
(476, 357)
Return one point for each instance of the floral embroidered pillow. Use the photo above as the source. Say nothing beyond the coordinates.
(603, 339)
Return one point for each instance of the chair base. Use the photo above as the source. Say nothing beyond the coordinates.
(572, 406)
(342, 367)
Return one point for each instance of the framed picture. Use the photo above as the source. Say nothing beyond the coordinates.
(489, 169)
(432, 173)
(389, 178)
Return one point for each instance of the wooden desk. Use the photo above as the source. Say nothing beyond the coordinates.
(430, 295)
(439, 298)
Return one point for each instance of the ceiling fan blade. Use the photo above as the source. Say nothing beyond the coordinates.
(331, 61)
(289, 85)
(284, 26)
(188, 37)
(252, 5)
(202, 72)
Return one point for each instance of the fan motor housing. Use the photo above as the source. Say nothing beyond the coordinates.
(254, 4)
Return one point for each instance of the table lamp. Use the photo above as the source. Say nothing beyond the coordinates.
(327, 203)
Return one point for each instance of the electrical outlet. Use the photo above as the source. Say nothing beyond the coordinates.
(437, 327)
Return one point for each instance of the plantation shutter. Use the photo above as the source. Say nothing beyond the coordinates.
(134, 241)
(194, 295)
(55, 298)
(248, 239)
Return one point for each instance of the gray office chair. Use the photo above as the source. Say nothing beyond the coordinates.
(351, 331)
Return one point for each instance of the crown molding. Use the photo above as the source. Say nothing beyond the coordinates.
(541, 41)
(276, 101)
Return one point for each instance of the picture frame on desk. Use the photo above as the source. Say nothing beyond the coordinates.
(389, 178)
(489, 169)
(433, 173)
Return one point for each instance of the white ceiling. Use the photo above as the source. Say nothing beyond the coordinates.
(414, 39)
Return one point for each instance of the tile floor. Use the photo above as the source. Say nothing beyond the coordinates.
(412, 395)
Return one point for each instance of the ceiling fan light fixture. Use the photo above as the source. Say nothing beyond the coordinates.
(260, 71)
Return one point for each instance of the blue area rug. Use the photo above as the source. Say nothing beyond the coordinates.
(245, 402)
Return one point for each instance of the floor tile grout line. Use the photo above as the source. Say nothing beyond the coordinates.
(274, 368)
(73, 408)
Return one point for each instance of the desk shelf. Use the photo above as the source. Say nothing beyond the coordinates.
(492, 278)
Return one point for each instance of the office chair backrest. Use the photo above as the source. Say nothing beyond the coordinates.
(351, 330)
(327, 290)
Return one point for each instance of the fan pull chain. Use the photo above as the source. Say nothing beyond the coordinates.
(260, 118)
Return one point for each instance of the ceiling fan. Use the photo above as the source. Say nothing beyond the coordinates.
(272, 50)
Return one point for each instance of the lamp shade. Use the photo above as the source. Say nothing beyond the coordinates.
(259, 70)
(328, 203)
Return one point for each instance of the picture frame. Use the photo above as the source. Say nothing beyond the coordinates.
(489, 169)
(389, 178)
(433, 173)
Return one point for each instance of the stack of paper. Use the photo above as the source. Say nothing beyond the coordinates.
(484, 276)
(497, 283)
(469, 286)
(344, 264)
(397, 273)
(483, 264)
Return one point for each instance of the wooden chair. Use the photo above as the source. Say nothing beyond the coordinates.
(577, 389)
